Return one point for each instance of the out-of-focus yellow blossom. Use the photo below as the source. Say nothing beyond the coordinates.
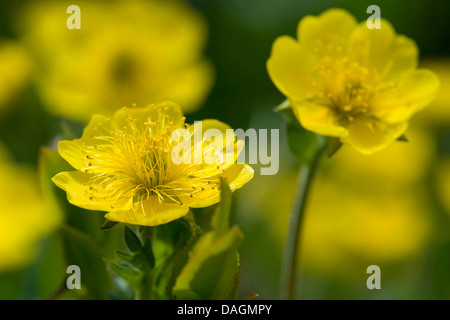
(361, 211)
(127, 51)
(125, 166)
(439, 109)
(442, 176)
(24, 219)
(15, 68)
(347, 81)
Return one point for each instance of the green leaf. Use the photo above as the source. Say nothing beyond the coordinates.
(211, 270)
(137, 260)
(234, 286)
(124, 256)
(132, 241)
(203, 216)
(131, 275)
(81, 250)
(220, 219)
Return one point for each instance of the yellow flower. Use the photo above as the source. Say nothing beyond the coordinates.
(24, 219)
(126, 51)
(347, 81)
(125, 166)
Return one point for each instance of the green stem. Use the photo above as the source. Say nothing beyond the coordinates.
(290, 259)
(147, 286)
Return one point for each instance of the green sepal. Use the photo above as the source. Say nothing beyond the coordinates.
(136, 267)
(334, 144)
(302, 143)
(141, 256)
(403, 138)
(282, 107)
(108, 224)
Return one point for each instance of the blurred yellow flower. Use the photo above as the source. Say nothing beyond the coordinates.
(125, 166)
(439, 110)
(15, 69)
(127, 51)
(24, 219)
(347, 81)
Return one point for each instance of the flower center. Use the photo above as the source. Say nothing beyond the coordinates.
(147, 151)
(342, 82)
(135, 162)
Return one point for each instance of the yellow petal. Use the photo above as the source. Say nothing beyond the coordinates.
(289, 68)
(237, 175)
(151, 212)
(331, 27)
(369, 136)
(73, 151)
(319, 119)
(203, 199)
(382, 50)
(82, 193)
(413, 92)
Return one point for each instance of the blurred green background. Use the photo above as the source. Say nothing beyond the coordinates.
(391, 209)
